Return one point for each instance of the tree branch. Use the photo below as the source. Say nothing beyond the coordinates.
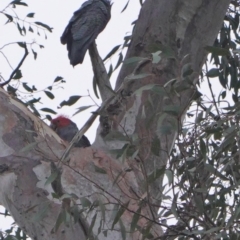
(100, 73)
(17, 68)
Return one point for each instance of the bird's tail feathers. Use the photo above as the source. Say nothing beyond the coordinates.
(78, 49)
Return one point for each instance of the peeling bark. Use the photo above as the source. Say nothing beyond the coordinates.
(26, 196)
(180, 29)
(28, 146)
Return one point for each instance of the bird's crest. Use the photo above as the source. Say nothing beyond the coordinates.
(61, 120)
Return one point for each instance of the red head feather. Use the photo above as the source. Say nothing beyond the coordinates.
(61, 121)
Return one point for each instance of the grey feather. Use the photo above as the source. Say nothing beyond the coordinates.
(67, 134)
(83, 28)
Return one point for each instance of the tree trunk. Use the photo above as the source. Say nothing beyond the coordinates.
(91, 176)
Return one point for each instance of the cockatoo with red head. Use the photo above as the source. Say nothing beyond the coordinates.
(67, 129)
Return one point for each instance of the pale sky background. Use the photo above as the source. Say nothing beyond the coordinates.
(52, 61)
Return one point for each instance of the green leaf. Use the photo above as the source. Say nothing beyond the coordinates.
(85, 202)
(110, 71)
(155, 147)
(95, 90)
(102, 208)
(119, 214)
(223, 79)
(10, 18)
(139, 91)
(203, 147)
(133, 60)
(11, 90)
(214, 72)
(16, 2)
(72, 100)
(51, 178)
(120, 59)
(28, 147)
(44, 26)
(114, 211)
(58, 78)
(115, 135)
(223, 94)
(159, 90)
(217, 51)
(138, 76)
(169, 175)
(30, 29)
(30, 15)
(49, 94)
(172, 110)
(166, 129)
(214, 171)
(18, 74)
(99, 170)
(35, 111)
(125, 6)
(135, 219)
(120, 152)
(122, 229)
(60, 220)
(43, 210)
(22, 44)
(117, 177)
(160, 120)
(199, 203)
(26, 87)
(187, 70)
(19, 29)
(92, 224)
(48, 110)
(174, 209)
(156, 173)
(213, 230)
(24, 30)
(34, 54)
(80, 109)
(112, 52)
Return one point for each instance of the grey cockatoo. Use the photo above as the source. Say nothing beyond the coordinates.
(83, 28)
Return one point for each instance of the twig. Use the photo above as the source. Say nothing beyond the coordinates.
(17, 68)
(100, 73)
(6, 59)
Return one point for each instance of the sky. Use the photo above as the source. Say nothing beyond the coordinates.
(52, 60)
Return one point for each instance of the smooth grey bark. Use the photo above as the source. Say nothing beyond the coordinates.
(181, 26)
(182, 29)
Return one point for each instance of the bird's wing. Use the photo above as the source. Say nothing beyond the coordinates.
(84, 27)
(84, 31)
(76, 15)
